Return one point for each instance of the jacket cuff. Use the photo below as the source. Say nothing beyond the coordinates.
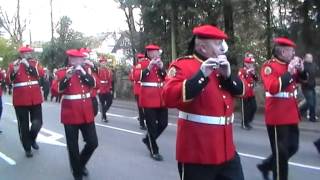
(192, 87)
(285, 80)
(233, 84)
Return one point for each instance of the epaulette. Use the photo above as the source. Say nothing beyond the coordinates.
(185, 57)
(270, 61)
(61, 69)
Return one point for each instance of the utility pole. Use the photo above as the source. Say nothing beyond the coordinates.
(51, 15)
(52, 38)
(30, 39)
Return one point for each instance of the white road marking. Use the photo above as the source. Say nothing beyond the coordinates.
(51, 139)
(120, 129)
(291, 163)
(131, 117)
(7, 159)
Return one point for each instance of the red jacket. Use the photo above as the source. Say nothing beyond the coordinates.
(200, 143)
(281, 104)
(77, 110)
(26, 88)
(105, 77)
(96, 88)
(135, 84)
(2, 79)
(248, 79)
(151, 85)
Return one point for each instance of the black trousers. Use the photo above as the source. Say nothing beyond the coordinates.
(231, 170)
(24, 115)
(156, 121)
(106, 102)
(284, 141)
(249, 110)
(79, 160)
(141, 112)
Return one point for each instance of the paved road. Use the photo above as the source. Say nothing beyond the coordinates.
(122, 156)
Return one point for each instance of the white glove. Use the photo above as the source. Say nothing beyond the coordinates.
(160, 64)
(152, 63)
(251, 71)
(69, 72)
(90, 63)
(224, 68)
(298, 63)
(291, 68)
(25, 62)
(79, 68)
(208, 66)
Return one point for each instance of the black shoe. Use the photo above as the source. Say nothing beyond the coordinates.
(85, 172)
(78, 178)
(143, 128)
(247, 127)
(264, 172)
(35, 146)
(145, 141)
(0, 132)
(157, 157)
(29, 154)
(317, 144)
(105, 119)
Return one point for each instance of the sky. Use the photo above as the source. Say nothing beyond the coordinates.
(88, 16)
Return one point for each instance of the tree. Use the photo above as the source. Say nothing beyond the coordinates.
(7, 52)
(53, 54)
(128, 6)
(13, 26)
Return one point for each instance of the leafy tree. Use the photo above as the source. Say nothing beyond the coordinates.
(53, 55)
(7, 52)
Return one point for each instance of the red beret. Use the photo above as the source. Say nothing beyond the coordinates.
(152, 47)
(26, 48)
(75, 53)
(140, 55)
(249, 60)
(284, 41)
(209, 31)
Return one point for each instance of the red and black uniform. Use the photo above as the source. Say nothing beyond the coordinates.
(94, 73)
(204, 147)
(281, 92)
(27, 98)
(136, 91)
(156, 114)
(248, 99)
(105, 91)
(77, 114)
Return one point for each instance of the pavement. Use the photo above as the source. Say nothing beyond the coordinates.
(121, 154)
